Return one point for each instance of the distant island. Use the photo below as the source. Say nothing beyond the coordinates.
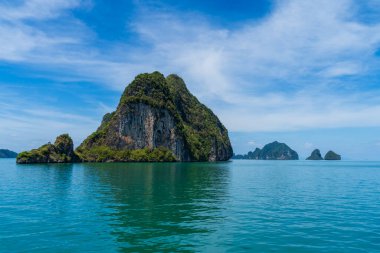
(315, 155)
(271, 151)
(157, 119)
(330, 155)
(281, 151)
(5, 153)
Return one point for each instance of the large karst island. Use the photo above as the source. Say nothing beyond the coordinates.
(157, 119)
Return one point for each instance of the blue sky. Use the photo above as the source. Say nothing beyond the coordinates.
(302, 72)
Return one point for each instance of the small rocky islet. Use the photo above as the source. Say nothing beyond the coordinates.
(62, 151)
(330, 155)
(157, 119)
(315, 155)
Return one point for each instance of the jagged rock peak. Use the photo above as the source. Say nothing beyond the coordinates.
(331, 155)
(315, 155)
(157, 112)
(62, 151)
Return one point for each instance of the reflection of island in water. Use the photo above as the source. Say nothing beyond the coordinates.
(155, 206)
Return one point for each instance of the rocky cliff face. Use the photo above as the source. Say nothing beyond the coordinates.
(158, 113)
(62, 151)
(331, 155)
(315, 155)
(138, 126)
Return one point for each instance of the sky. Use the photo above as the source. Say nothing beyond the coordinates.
(306, 73)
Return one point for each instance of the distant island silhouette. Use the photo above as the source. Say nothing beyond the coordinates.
(6, 153)
(281, 151)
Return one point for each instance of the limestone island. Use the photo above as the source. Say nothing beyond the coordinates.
(271, 151)
(6, 153)
(315, 155)
(157, 120)
(331, 155)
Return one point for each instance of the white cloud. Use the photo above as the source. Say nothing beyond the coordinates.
(308, 145)
(280, 73)
(31, 123)
(35, 9)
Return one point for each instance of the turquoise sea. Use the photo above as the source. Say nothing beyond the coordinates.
(237, 206)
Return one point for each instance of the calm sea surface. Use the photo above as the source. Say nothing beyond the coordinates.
(238, 206)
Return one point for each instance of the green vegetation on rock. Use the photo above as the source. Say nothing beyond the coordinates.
(155, 112)
(315, 155)
(106, 154)
(331, 155)
(59, 152)
(157, 120)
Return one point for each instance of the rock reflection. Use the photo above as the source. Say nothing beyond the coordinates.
(157, 206)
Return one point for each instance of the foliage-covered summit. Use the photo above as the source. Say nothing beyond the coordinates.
(331, 155)
(60, 152)
(315, 155)
(158, 112)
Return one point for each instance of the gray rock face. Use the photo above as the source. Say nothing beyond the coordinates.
(141, 125)
(155, 112)
(315, 155)
(331, 155)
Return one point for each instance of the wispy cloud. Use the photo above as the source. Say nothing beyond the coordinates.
(286, 72)
(44, 34)
(305, 65)
(29, 123)
(309, 145)
(35, 9)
